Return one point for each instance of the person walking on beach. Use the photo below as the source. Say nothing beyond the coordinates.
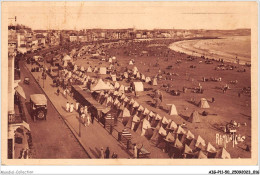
(67, 106)
(88, 118)
(77, 106)
(71, 107)
(107, 152)
(58, 91)
(92, 118)
(135, 151)
(83, 119)
(65, 93)
(102, 155)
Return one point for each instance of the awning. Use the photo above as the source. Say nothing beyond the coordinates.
(20, 91)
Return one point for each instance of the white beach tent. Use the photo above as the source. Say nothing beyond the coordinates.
(154, 83)
(138, 86)
(102, 70)
(203, 103)
(173, 110)
(89, 69)
(66, 58)
(135, 70)
(146, 125)
(100, 85)
(113, 77)
(130, 62)
(147, 79)
(117, 85)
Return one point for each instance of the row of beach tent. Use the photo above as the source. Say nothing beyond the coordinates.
(163, 133)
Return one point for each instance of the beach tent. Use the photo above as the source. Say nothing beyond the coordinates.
(125, 74)
(140, 108)
(178, 144)
(122, 96)
(142, 77)
(138, 75)
(151, 114)
(82, 68)
(135, 70)
(121, 88)
(162, 131)
(115, 93)
(126, 99)
(203, 103)
(154, 83)
(130, 62)
(224, 154)
(173, 110)
(113, 77)
(147, 79)
(194, 117)
(146, 111)
(210, 148)
(187, 150)
(200, 142)
(165, 121)
(146, 125)
(89, 69)
(201, 155)
(116, 102)
(170, 138)
(65, 63)
(75, 68)
(189, 135)
(135, 104)
(180, 130)
(158, 117)
(66, 58)
(117, 85)
(131, 101)
(100, 85)
(125, 115)
(102, 70)
(172, 126)
(113, 57)
(138, 86)
(135, 122)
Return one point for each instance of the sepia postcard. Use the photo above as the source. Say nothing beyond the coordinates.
(129, 83)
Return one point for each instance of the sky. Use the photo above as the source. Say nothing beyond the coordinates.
(140, 15)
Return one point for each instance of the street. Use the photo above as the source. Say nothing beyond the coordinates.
(51, 138)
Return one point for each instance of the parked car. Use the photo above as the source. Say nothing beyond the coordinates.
(38, 106)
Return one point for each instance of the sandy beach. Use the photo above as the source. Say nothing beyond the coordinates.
(227, 48)
(177, 73)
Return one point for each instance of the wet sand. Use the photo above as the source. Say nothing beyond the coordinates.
(227, 48)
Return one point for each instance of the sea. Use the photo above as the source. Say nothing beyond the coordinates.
(230, 49)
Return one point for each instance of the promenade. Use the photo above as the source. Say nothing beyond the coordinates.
(91, 137)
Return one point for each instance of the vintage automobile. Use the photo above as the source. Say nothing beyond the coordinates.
(38, 106)
(26, 80)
